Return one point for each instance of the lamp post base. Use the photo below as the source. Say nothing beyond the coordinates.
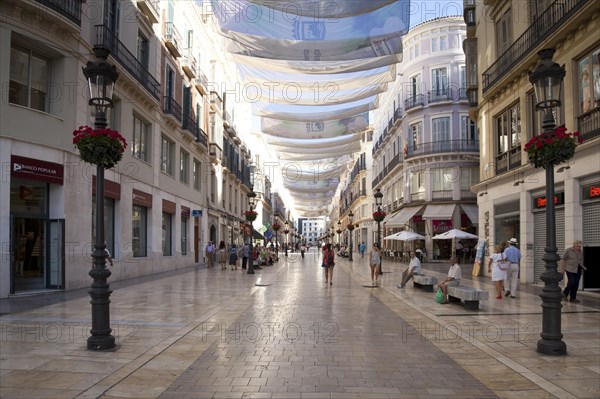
(551, 347)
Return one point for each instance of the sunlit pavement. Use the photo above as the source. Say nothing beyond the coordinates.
(284, 333)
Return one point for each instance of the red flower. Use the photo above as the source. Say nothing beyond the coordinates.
(553, 148)
(102, 147)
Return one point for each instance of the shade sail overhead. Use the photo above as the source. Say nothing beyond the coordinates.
(314, 70)
(403, 216)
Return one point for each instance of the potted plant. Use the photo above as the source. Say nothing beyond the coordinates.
(549, 149)
(102, 147)
(378, 216)
(250, 215)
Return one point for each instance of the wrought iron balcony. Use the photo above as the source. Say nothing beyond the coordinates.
(170, 107)
(437, 147)
(106, 38)
(172, 39)
(151, 9)
(588, 124)
(191, 125)
(549, 21)
(201, 82)
(188, 63)
(70, 9)
(216, 104)
(508, 160)
(202, 138)
(417, 100)
(436, 96)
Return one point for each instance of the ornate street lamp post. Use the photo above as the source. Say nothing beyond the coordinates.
(251, 203)
(546, 79)
(101, 78)
(379, 201)
(351, 232)
(339, 232)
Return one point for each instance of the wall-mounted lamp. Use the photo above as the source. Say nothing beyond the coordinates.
(518, 182)
(562, 169)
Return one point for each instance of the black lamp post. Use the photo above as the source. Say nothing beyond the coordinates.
(546, 79)
(286, 230)
(351, 232)
(379, 201)
(339, 232)
(251, 203)
(101, 78)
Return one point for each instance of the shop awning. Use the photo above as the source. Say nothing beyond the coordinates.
(472, 212)
(403, 216)
(439, 212)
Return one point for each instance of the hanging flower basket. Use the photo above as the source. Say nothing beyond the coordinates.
(286, 231)
(548, 149)
(339, 231)
(378, 216)
(350, 226)
(276, 227)
(250, 215)
(102, 147)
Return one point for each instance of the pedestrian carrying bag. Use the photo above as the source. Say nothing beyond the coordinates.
(503, 264)
(439, 296)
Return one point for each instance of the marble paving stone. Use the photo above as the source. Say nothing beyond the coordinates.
(205, 334)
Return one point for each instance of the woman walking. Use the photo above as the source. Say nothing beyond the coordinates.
(375, 263)
(498, 265)
(328, 263)
(222, 255)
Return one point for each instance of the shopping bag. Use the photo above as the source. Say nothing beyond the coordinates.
(439, 296)
(476, 268)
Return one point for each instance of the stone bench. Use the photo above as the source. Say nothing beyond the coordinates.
(470, 296)
(424, 282)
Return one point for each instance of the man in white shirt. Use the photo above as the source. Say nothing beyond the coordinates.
(414, 267)
(453, 279)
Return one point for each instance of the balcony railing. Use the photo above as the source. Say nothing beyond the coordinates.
(191, 125)
(441, 195)
(170, 107)
(151, 9)
(414, 101)
(436, 96)
(106, 38)
(588, 124)
(172, 39)
(549, 21)
(216, 103)
(508, 160)
(462, 94)
(417, 196)
(467, 194)
(202, 138)
(436, 147)
(201, 82)
(188, 63)
(70, 9)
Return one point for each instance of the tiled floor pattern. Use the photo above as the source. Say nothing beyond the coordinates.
(212, 333)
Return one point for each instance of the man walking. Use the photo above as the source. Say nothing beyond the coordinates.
(414, 267)
(513, 255)
(572, 264)
(210, 254)
(361, 249)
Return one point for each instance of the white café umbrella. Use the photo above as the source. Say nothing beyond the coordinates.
(405, 235)
(456, 233)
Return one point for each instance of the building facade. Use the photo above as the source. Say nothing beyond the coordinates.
(184, 177)
(503, 39)
(426, 148)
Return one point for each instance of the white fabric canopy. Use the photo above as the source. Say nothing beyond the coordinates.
(439, 212)
(323, 8)
(472, 212)
(403, 216)
(312, 71)
(405, 235)
(312, 130)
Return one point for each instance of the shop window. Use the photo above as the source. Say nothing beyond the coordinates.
(167, 234)
(139, 236)
(184, 235)
(588, 70)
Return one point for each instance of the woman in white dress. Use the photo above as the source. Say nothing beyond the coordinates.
(496, 264)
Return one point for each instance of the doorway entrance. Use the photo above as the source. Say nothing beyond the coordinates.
(37, 261)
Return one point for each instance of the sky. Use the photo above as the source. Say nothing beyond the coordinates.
(425, 10)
